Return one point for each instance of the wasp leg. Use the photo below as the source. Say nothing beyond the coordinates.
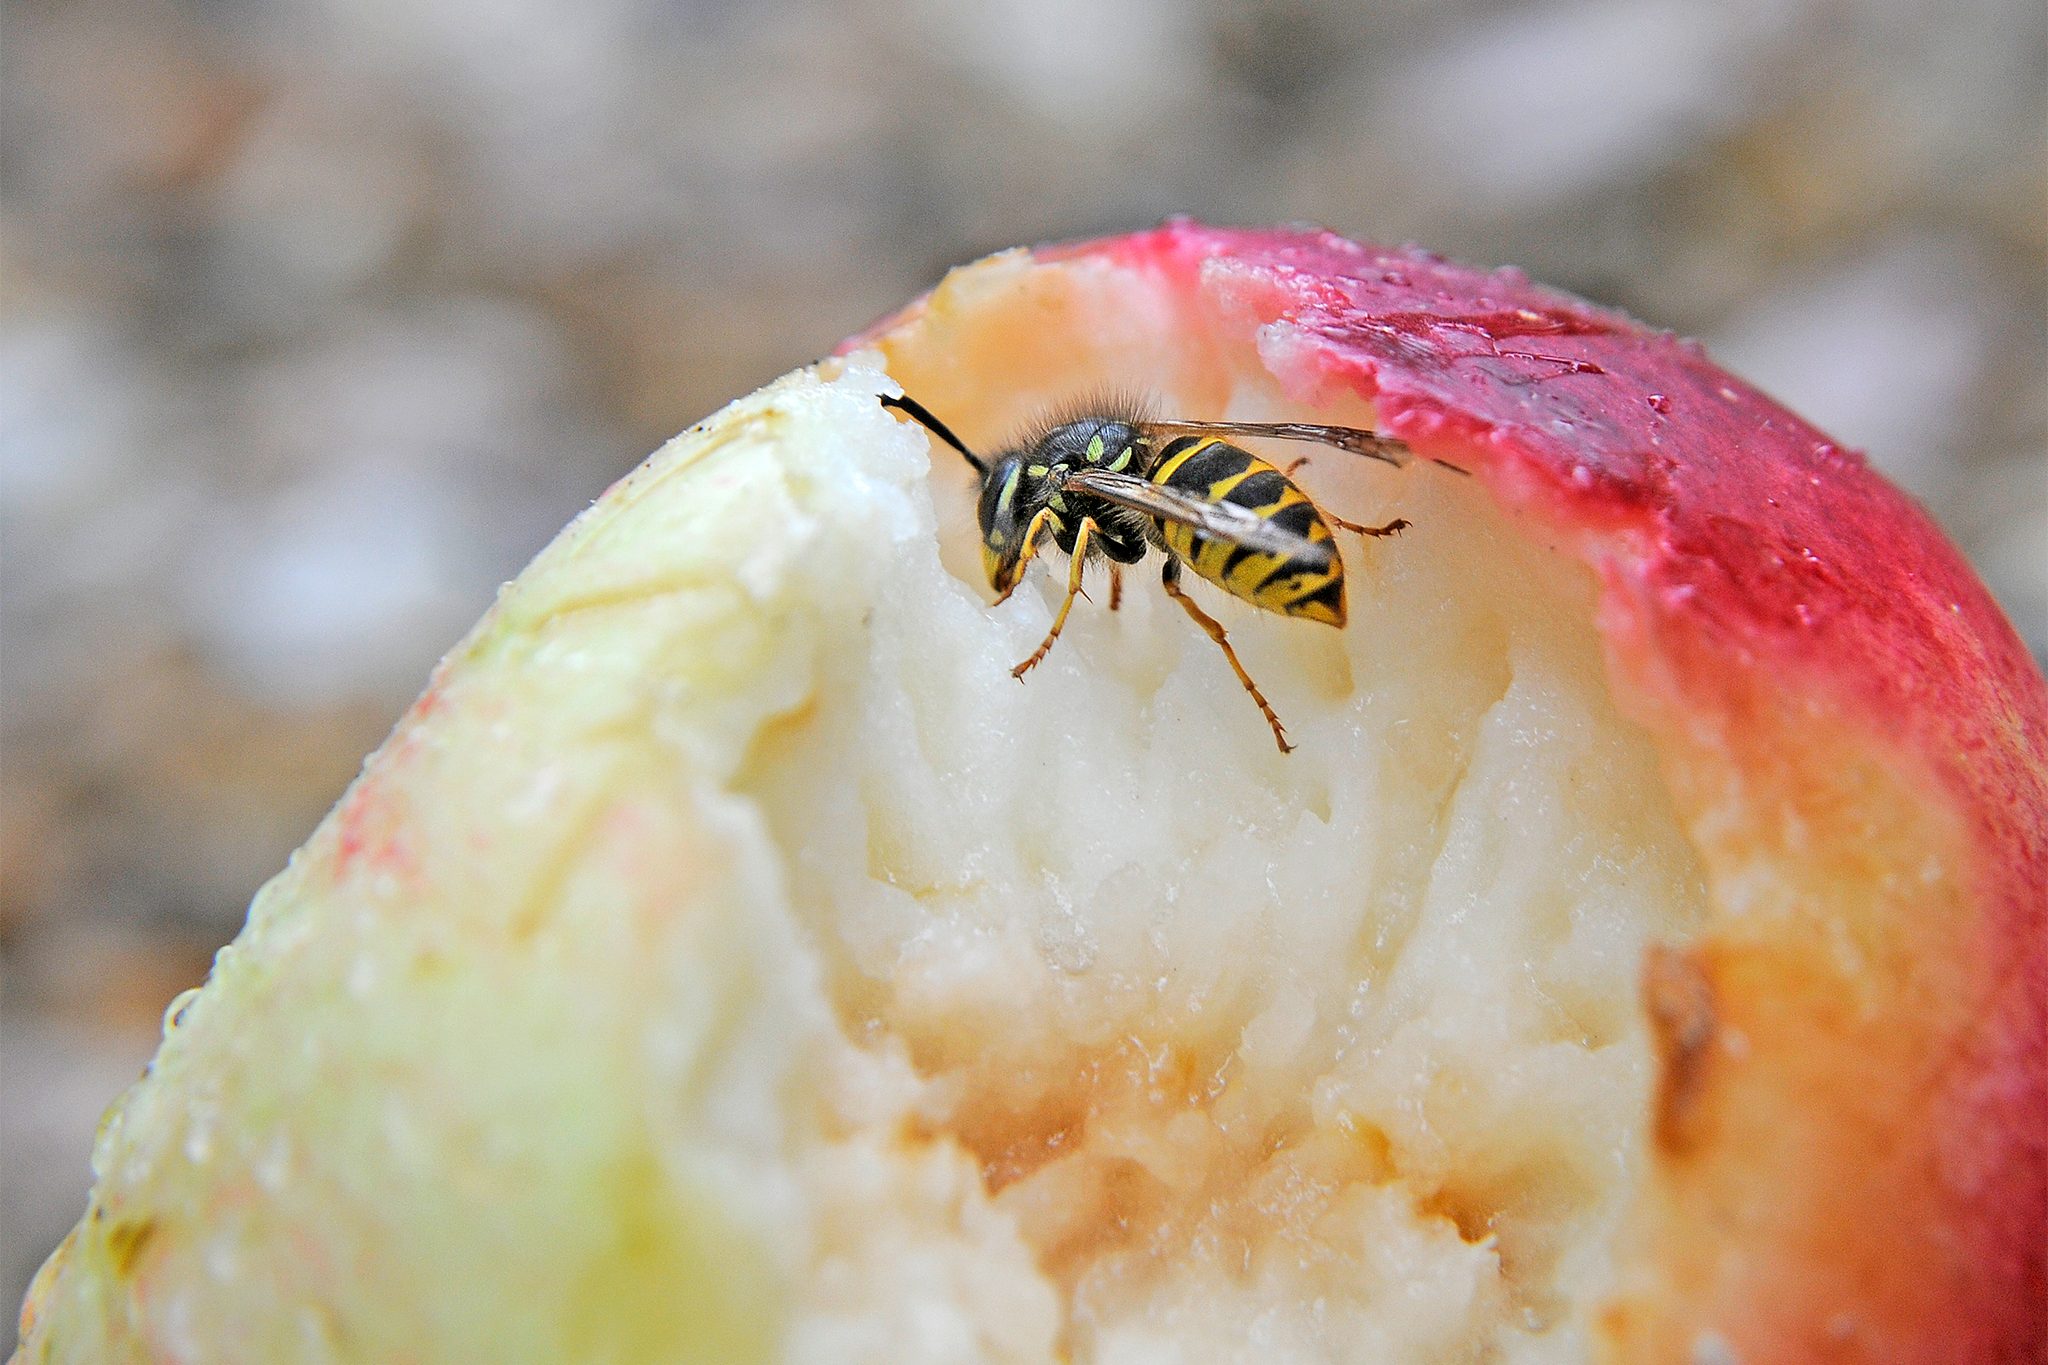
(1116, 585)
(1074, 571)
(1032, 535)
(1169, 578)
(1293, 465)
(1396, 525)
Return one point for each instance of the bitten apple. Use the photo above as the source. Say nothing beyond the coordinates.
(1641, 957)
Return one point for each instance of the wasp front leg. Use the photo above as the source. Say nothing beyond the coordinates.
(1034, 535)
(1075, 568)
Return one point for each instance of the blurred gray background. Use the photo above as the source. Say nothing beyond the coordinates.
(320, 316)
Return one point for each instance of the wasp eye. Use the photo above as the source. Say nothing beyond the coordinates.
(1001, 506)
(1002, 512)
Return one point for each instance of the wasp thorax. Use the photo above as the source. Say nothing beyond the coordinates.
(1093, 440)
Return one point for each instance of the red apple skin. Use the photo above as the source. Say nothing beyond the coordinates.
(1850, 1151)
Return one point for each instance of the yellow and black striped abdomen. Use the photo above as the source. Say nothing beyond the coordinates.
(1216, 471)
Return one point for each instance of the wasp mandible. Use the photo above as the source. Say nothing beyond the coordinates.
(1112, 482)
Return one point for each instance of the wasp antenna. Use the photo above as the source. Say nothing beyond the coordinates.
(945, 433)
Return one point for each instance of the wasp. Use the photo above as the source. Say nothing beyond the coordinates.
(1110, 482)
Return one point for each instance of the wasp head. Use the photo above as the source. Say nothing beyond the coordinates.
(1011, 499)
(1015, 488)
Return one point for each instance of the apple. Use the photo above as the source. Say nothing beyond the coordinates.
(1643, 955)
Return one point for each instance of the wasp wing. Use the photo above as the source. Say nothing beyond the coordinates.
(1359, 442)
(1225, 521)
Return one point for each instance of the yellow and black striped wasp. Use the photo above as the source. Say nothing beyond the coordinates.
(1110, 481)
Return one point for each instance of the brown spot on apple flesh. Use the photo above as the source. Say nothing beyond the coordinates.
(1679, 998)
(127, 1240)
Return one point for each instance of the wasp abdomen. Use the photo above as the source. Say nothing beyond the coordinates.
(1292, 585)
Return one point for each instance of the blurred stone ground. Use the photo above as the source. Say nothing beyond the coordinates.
(321, 317)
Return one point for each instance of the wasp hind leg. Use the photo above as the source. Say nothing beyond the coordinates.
(1074, 570)
(1116, 585)
(1169, 578)
(1398, 524)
